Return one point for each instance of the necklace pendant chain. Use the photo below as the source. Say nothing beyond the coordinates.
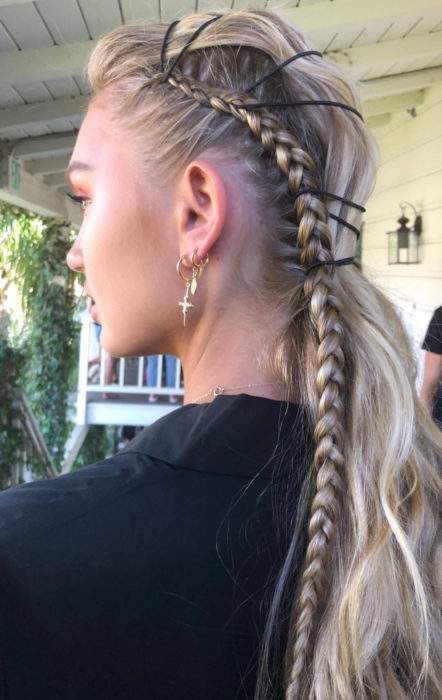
(218, 390)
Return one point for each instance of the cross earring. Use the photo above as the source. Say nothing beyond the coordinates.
(191, 282)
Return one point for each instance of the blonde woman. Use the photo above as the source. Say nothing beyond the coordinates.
(276, 537)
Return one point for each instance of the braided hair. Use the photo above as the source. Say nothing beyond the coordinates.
(313, 238)
(372, 513)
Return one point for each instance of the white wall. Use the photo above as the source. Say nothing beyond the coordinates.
(411, 170)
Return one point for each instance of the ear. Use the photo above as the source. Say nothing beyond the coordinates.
(201, 209)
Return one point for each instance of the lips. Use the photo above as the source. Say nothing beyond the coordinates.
(91, 305)
(94, 311)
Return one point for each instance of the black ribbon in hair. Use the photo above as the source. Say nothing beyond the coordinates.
(345, 223)
(282, 65)
(194, 36)
(298, 103)
(277, 68)
(336, 263)
(329, 195)
(170, 29)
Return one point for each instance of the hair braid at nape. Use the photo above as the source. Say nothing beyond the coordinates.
(314, 241)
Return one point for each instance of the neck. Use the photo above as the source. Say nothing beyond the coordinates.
(229, 352)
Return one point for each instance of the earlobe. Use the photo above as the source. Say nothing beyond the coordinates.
(202, 203)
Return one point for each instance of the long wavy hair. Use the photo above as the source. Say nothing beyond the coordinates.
(363, 621)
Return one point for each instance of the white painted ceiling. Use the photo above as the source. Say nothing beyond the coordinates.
(394, 47)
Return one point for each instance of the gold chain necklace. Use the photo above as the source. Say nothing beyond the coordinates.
(218, 390)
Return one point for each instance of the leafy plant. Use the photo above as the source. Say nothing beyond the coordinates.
(11, 438)
(101, 441)
(33, 253)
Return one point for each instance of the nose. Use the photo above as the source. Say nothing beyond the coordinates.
(74, 258)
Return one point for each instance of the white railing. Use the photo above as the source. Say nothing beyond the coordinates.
(131, 375)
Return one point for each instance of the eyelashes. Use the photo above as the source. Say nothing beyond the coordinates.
(78, 199)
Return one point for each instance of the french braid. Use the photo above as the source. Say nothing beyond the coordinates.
(314, 241)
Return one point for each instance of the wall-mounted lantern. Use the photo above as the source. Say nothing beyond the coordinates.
(403, 244)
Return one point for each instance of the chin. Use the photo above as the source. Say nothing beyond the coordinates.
(125, 346)
(114, 345)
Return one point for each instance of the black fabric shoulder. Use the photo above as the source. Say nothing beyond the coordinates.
(149, 574)
(240, 435)
(48, 503)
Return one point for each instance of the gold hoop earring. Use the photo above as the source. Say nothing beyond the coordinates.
(202, 263)
(191, 282)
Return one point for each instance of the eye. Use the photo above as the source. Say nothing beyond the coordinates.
(79, 199)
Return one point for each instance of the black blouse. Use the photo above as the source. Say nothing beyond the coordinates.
(148, 575)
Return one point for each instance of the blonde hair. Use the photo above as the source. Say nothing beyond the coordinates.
(364, 620)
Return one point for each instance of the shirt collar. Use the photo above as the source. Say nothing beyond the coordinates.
(238, 435)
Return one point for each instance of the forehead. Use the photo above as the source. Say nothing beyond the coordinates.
(103, 148)
(94, 134)
(105, 161)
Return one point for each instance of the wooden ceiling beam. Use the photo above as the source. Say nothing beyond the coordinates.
(44, 166)
(397, 84)
(55, 180)
(384, 53)
(378, 121)
(43, 112)
(335, 17)
(45, 146)
(35, 195)
(3, 3)
(385, 105)
(46, 63)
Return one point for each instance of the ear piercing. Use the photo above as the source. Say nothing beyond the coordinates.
(191, 282)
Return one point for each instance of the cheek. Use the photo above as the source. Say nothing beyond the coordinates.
(131, 271)
(107, 245)
(117, 266)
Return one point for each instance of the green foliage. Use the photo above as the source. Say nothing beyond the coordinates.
(101, 441)
(33, 253)
(11, 438)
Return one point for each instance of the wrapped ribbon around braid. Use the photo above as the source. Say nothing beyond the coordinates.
(194, 36)
(337, 263)
(251, 106)
(280, 66)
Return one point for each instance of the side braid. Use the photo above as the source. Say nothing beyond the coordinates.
(314, 240)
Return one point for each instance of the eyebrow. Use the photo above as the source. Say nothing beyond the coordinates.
(77, 165)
